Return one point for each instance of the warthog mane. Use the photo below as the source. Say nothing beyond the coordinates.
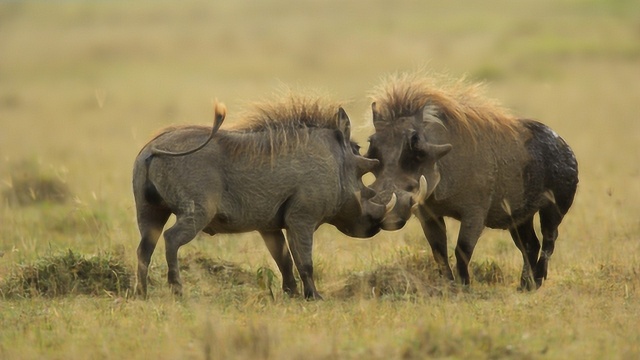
(459, 103)
(280, 125)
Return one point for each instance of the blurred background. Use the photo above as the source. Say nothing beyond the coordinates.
(83, 85)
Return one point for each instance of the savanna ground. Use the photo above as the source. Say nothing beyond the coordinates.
(83, 85)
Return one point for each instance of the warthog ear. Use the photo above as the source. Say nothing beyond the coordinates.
(430, 114)
(365, 165)
(344, 124)
(377, 118)
(433, 126)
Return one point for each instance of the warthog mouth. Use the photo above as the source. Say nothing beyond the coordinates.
(393, 225)
(408, 203)
(366, 233)
(397, 218)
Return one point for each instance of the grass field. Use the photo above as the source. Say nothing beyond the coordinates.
(83, 85)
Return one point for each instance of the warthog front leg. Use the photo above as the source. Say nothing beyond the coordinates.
(301, 244)
(524, 236)
(280, 252)
(471, 227)
(436, 232)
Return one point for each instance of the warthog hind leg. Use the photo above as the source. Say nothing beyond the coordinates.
(151, 220)
(524, 236)
(182, 232)
(550, 218)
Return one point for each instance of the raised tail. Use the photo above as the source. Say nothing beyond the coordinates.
(220, 112)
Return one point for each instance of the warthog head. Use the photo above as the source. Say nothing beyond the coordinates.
(359, 216)
(407, 161)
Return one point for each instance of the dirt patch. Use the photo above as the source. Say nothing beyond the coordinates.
(68, 273)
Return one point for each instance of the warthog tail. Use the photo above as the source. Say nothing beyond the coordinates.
(220, 112)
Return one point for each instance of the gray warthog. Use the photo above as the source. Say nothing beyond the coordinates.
(499, 172)
(289, 165)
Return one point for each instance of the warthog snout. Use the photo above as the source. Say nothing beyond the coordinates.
(371, 214)
(396, 219)
(406, 204)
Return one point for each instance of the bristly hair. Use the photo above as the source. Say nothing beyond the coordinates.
(290, 112)
(282, 124)
(462, 103)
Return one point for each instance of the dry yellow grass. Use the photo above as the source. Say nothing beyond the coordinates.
(83, 85)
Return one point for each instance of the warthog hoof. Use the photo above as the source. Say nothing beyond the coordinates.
(313, 297)
(176, 290)
(140, 292)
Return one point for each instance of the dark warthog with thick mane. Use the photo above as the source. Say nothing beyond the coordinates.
(289, 165)
(499, 172)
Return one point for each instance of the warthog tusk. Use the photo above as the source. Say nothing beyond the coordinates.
(421, 196)
(391, 204)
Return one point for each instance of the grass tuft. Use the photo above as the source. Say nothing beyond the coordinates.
(412, 274)
(30, 184)
(224, 273)
(487, 272)
(433, 343)
(68, 273)
(252, 341)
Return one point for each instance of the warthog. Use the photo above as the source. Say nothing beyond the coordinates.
(499, 172)
(289, 165)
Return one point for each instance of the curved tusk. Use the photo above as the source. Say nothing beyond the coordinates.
(421, 196)
(391, 204)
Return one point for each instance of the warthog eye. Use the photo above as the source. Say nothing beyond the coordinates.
(414, 141)
(413, 153)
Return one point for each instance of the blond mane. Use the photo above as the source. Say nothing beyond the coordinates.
(462, 103)
(279, 125)
(291, 112)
